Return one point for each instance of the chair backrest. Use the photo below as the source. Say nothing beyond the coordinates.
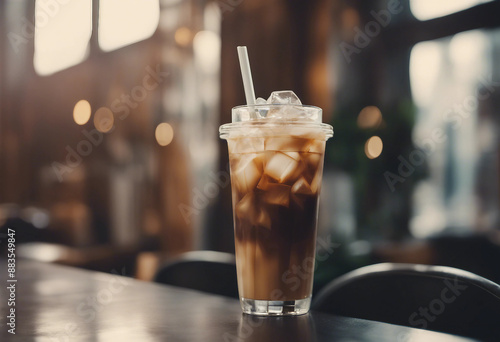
(207, 271)
(436, 298)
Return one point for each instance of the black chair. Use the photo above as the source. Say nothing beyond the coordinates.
(207, 271)
(438, 298)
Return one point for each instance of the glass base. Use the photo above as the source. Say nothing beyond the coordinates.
(275, 307)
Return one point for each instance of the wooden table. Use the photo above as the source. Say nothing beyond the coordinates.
(60, 303)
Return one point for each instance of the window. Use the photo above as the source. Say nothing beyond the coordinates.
(123, 22)
(62, 34)
(451, 83)
(429, 9)
(63, 29)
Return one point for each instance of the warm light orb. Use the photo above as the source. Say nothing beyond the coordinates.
(82, 112)
(104, 120)
(373, 147)
(164, 134)
(183, 36)
(206, 46)
(369, 117)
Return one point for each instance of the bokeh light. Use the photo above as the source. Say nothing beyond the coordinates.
(82, 112)
(164, 134)
(183, 36)
(104, 120)
(206, 46)
(369, 117)
(373, 147)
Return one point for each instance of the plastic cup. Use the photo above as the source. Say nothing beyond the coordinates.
(276, 165)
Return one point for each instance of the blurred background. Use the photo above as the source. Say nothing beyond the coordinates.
(109, 114)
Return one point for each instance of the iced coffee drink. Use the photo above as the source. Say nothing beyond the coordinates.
(276, 153)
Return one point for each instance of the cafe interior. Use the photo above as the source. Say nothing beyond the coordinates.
(111, 159)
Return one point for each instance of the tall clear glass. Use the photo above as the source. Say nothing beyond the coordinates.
(276, 155)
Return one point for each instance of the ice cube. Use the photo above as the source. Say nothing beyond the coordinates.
(293, 155)
(246, 145)
(247, 173)
(284, 97)
(301, 190)
(277, 194)
(302, 187)
(290, 144)
(316, 146)
(262, 219)
(245, 207)
(286, 112)
(303, 113)
(316, 182)
(264, 183)
(304, 133)
(280, 167)
(261, 110)
(313, 160)
(275, 113)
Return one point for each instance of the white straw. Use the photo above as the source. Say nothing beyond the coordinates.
(246, 74)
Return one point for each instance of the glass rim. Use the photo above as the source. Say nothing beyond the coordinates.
(262, 105)
(243, 120)
(257, 112)
(226, 129)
